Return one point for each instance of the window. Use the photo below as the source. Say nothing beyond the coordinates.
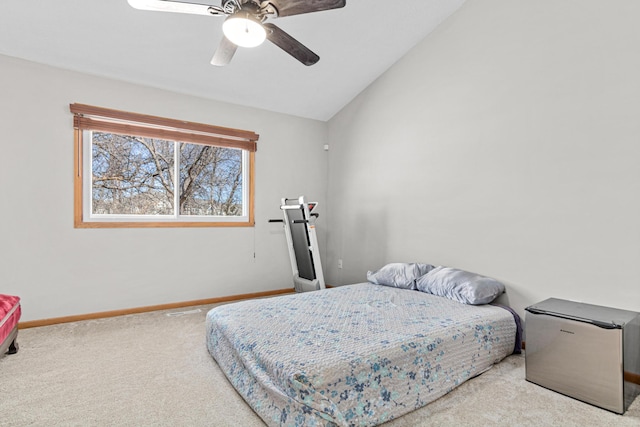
(134, 170)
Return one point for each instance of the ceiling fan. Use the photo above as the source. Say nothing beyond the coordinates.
(245, 24)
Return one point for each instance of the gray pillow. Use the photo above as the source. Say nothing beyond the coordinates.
(399, 275)
(460, 285)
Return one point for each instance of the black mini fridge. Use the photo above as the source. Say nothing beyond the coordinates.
(588, 352)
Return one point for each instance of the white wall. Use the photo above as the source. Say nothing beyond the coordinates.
(506, 143)
(60, 271)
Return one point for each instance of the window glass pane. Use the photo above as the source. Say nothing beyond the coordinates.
(211, 180)
(131, 175)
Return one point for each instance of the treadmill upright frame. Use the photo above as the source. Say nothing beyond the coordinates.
(304, 253)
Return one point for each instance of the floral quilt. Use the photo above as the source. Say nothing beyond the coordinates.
(356, 355)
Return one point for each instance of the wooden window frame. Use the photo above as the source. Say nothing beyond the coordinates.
(87, 117)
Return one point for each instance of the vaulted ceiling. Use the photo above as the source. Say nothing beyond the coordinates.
(109, 38)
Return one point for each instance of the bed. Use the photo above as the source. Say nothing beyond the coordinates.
(356, 355)
(10, 312)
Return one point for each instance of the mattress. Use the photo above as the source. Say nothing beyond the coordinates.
(356, 355)
(10, 312)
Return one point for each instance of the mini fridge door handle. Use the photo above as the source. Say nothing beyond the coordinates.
(603, 325)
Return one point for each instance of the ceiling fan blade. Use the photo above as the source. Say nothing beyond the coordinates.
(297, 7)
(177, 6)
(224, 53)
(290, 45)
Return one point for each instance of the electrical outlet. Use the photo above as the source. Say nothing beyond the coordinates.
(339, 263)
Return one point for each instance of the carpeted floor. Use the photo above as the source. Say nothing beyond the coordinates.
(153, 369)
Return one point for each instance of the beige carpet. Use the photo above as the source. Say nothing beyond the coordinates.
(154, 370)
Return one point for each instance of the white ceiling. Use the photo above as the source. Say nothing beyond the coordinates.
(108, 38)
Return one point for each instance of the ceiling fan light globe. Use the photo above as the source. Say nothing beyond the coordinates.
(243, 30)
